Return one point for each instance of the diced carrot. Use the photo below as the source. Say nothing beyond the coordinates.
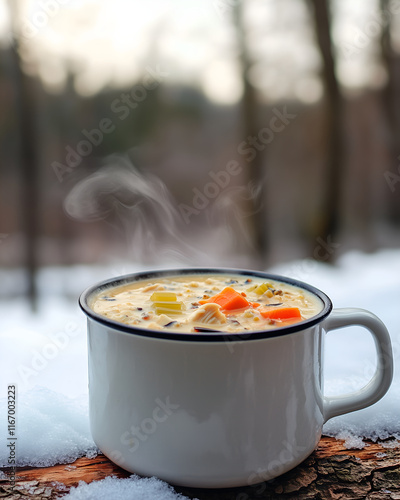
(228, 299)
(281, 313)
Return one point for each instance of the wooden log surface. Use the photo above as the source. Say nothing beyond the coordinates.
(330, 473)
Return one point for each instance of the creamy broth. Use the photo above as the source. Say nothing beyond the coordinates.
(207, 302)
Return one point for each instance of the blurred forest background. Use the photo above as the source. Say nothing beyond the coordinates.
(210, 132)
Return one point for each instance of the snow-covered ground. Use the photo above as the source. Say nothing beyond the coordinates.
(44, 356)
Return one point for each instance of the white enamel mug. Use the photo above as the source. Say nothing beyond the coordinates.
(218, 410)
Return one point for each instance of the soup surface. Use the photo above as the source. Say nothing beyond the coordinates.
(207, 302)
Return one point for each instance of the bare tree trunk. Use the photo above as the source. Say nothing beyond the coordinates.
(391, 104)
(28, 158)
(255, 168)
(329, 222)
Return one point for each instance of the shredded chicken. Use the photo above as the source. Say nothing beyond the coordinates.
(163, 319)
(154, 326)
(156, 286)
(208, 314)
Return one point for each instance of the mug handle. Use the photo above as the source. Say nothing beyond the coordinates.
(382, 378)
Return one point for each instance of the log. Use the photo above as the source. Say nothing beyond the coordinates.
(332, 472)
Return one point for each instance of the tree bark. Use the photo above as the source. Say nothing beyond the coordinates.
(330, 473)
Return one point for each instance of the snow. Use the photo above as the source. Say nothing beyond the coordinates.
(45, 356)
(51, 428)
(131, 488)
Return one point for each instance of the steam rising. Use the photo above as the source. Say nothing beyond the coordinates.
(232, 211)
(139, 207)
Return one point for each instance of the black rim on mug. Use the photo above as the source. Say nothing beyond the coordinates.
(86, 296)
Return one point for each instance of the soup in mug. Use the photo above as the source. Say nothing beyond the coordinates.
(207, 302)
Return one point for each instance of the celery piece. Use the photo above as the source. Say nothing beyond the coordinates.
(262, 288)
(164, 310)
(163, 297)
(168, 307)
(251, 288)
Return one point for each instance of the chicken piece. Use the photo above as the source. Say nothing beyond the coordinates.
(155, 286)
(208, 314)
(154, 326)
(163, 319)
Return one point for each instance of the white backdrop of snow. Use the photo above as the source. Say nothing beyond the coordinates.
(45, 356)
